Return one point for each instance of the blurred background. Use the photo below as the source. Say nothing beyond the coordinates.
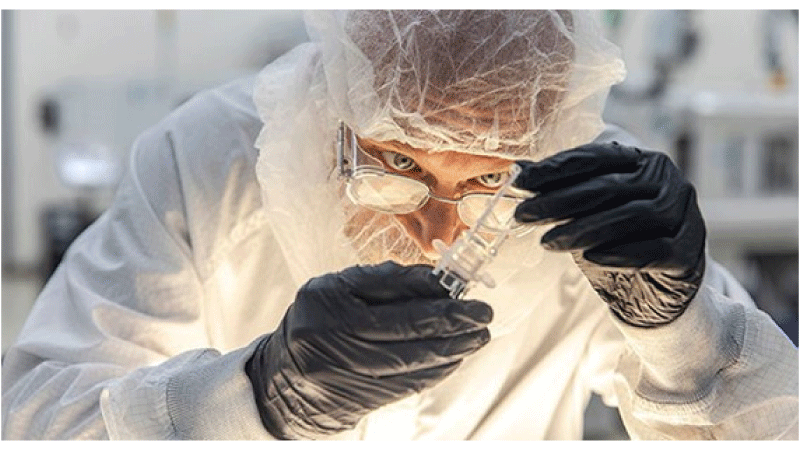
(716, 90)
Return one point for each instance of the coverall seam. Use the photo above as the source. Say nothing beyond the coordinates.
(135, 178)
(182, 192)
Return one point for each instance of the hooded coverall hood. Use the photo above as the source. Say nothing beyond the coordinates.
(502, 83)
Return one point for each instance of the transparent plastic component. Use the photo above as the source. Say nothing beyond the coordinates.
(462, 264)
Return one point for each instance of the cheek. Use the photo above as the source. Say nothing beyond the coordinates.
(411, 222)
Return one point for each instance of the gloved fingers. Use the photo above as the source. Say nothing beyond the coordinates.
(420, 319)
(578, 164)
(600, 193)
(381, 358)
(417, 381)
(390, 282)
(666, 254)
(648, 254)
(349, 392)
(638, 220)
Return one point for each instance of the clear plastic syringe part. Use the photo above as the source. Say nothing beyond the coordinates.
(461, 265)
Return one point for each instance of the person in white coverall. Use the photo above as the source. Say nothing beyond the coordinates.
(239, 287)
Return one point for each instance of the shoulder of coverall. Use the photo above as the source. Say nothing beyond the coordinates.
(229, 103)
(211, 135)
(199, 162)
(213, 129)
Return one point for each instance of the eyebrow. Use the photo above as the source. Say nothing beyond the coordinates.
(411, 152)
(392, 145)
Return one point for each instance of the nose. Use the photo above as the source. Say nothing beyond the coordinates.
(435, 220)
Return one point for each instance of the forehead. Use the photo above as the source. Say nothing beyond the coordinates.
(448, 160)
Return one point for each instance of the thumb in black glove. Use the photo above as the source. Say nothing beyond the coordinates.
(356, 340)
(631, 221)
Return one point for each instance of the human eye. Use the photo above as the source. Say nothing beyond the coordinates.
(398, 161)
(493, 180)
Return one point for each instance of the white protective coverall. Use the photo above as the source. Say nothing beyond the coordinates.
(144, 329)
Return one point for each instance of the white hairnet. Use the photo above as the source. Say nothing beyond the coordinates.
(521, 83)
(504, 83)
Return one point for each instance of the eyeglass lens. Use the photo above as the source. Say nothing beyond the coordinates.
(394, 194)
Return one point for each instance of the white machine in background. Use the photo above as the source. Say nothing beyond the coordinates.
(749, 143)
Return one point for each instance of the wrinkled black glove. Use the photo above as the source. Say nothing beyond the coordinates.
(356, 340)
(631, 221)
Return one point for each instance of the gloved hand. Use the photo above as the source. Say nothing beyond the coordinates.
(631, 221)
(356, 340)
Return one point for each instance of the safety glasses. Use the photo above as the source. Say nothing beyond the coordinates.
(371, 186)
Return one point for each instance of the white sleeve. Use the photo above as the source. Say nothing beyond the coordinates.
(722, 370)
(122, 319)
(198, 395)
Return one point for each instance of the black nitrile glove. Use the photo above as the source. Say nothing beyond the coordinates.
(631, 222)
(356, 340)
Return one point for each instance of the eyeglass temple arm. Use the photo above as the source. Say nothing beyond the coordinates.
(345, 166)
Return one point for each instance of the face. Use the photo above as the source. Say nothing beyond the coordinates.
(449, 175)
